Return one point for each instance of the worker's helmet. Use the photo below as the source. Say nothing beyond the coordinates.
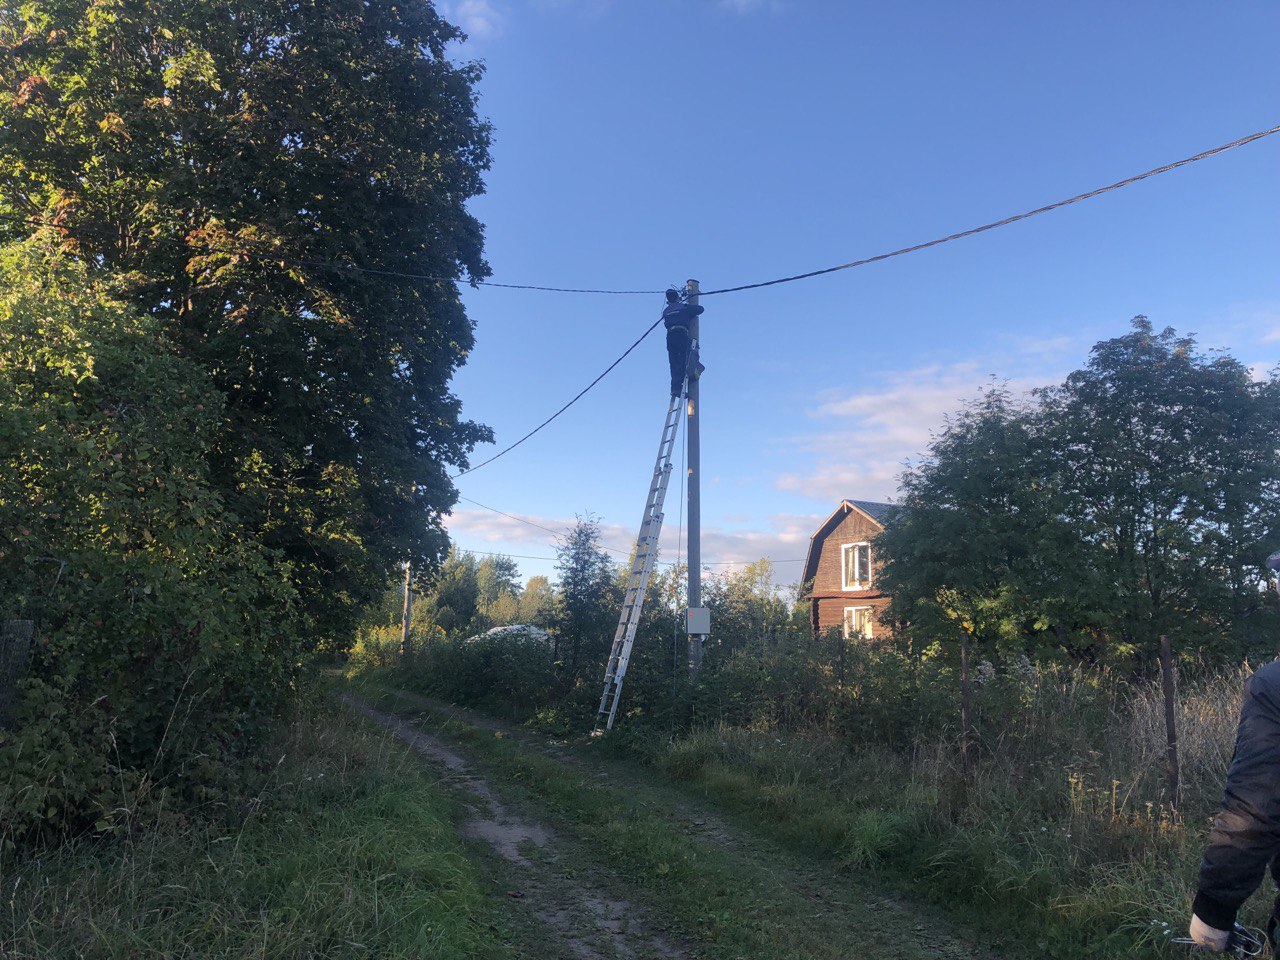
(673, 295)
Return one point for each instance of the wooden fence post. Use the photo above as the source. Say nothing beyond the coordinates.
(1170, 723)
(16, 637)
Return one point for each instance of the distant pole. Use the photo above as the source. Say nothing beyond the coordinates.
(695, 499)
(406, 640)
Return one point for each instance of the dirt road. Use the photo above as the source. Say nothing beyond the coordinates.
(571, 892)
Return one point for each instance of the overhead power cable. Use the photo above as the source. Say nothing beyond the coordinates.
(268, 256)
(512, 516)
(1006, 221)
(271, 257)
(580, 395)
(885, 256)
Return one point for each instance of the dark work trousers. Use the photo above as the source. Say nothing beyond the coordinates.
(678, 344)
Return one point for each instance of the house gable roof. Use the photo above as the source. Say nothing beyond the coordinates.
(878, 513)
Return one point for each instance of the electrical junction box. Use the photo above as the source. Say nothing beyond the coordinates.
(699, 621)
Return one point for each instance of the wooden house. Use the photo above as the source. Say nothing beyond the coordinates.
(841, 566)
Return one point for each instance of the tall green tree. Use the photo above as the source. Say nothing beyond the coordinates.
(979, 547)
(212, 158)
(1138, 498)
(587, 600)
(537, 602)
(498, 586)
(453, 600)
(1168, 463)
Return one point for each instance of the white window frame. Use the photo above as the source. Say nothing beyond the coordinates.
(850, 613)
(862, 578)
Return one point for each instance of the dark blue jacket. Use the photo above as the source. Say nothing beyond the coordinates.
(680, 315)
(1246, 832)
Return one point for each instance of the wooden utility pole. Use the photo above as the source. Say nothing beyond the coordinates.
(698, 618)
(406, 638)
(1170, 720)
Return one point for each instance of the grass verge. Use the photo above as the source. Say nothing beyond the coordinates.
(1097, 875)
(744, 901)
(342, 847)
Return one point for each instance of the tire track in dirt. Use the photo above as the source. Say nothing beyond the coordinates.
(578, 910)
(923, 929)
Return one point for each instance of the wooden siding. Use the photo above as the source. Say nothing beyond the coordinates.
(829, 596)
(830, 611)
(856, 527)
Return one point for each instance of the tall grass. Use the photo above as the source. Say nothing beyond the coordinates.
(1062, 828)
(340, 845)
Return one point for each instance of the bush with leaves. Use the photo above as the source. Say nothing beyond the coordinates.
(164, 631)
(210, 157)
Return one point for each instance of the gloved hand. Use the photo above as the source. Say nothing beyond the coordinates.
(1210, 938)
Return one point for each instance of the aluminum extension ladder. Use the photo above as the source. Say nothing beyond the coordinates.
(641, 568)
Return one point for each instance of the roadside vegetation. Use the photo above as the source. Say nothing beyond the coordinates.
(334, 840)
(1050, 542)
(213, 451)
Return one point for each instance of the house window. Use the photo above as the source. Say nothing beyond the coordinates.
(855, 564)
(857, 623)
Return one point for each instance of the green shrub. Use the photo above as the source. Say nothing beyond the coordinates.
(163, 631)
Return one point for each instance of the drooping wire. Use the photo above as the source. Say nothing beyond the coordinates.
(900, 252)
(283, 260)
(581, 394)
(512, 516)
(383, 272)
(1006, 221)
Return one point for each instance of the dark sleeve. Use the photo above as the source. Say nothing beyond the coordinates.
(1246, 832)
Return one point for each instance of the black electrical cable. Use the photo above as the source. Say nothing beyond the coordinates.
(382, 272)
(1006, 221)
(581, 394)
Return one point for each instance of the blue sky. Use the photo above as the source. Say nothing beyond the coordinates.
(638, 144)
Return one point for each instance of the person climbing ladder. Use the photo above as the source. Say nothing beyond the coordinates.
(677, 317)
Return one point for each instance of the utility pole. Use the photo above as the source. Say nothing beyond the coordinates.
(698, 617)
(406, 641)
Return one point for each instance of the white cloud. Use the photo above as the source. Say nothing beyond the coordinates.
(480, 19)
(785, 538)
(875, 430)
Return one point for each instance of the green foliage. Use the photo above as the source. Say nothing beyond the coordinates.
(536, 604)
(453, 603)
(333, 841)
(167, 136)
(509, 672)
(1170, 471)
(746, 605)
(1138, 498)
(587, 602)
(163, 626)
